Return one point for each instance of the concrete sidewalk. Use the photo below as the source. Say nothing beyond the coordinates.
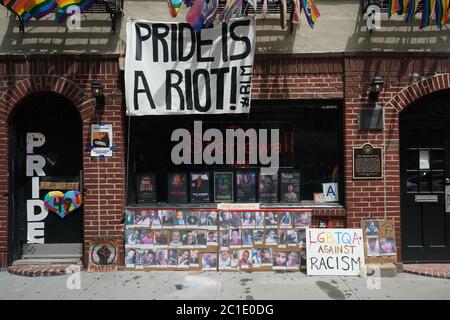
(221, 286)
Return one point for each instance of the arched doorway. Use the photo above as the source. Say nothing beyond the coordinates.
(45, 154)
(425, 179)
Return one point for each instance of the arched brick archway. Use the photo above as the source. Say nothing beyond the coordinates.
(395, 107)
(12, 97)
(417, 90)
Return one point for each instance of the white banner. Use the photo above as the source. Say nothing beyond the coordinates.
(334, 251)
(170, 69)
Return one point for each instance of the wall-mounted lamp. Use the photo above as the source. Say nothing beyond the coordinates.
(375, 88)
(97, 93)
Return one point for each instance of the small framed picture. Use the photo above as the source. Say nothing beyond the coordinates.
(235, 238)
(279, 260)
(209, 261)
(290, 187)
(302, 219)
(161, 260)
(373, 247)
(145, 188)
(223, 187)
(245, 186)
(248, 220)
(179, 221)
(177, 188)
(200, 187)
(194, 258)
(259, 219)
(293, 260)
(224, 260)
(266, 257)
(387, 246)
(245, 258)
(268, 187)
(286, 220)
(271, 219)
(372, 228)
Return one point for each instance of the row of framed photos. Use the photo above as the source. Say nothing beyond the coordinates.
(241, 186)
(145, 238)
(212, 219)
(224, 260)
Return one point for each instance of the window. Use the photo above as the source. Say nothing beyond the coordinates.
(310, 137)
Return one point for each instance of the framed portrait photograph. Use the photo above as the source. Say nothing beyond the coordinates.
(192, 219)
(155, 219)
(387, 246)
(145, 189)
(247, 238)
(161, 260)
(223, 187)
(183, 259)
(130, 258)
(258, 236)
(271, 219)
(149, 258)
(248, 220)
(162, 238)
(268, 188)
(282, 238)
(234, 238)
(129, 218)
(189, 239)
(167, 218)
(256, 257)
(202, 237)
(286, 219)
(245, 258)
(372, 228)
(209, 261)
(271, 237)
(194, 258)
(223, 239)
(212, 219)
(266, 257)
(245, 186)
(179, 220)
(290, 186)
(292, 238)
(224, 259)
(302, 219)
(293, 260)
(177, 188)
(224, 219)
(200, 187)
(279, 260)
(373, 247)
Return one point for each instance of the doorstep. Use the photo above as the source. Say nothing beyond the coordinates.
(45, 267)
(435, 270)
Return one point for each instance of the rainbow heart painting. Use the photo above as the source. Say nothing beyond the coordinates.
(63, 203)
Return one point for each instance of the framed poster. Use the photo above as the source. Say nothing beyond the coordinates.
(245, 186)
(223, 186)
(290, 187)
(177, 188)
(268, 187)
(145, 188)
(200, 187)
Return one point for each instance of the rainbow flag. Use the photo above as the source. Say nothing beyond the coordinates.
(439, 13)
(446, 11)
(411, 9)
(40, 8)
(427, 9)
(19, 8)
(64, 5)
(311, 12)
(174, 7)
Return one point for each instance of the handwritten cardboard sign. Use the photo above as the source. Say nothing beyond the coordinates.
(334, 251)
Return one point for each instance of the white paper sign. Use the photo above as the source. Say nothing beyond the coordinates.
(330, 192)
(101, 140)
(334, 251)
(170, 69)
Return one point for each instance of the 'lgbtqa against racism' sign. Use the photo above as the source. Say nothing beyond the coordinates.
(171, 69)
(334, 251)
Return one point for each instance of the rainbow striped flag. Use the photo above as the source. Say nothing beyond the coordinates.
(427, 9)
(63, 6)
(19, 8)
(411, 9)
(446, 11)
(40, 8)
(311, 12)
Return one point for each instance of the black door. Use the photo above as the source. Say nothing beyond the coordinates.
(425, 172)
(59, 122)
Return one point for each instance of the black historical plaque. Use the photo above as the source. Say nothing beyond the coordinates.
(367, 162)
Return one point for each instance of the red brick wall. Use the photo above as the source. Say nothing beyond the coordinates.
(345, 77)
(71, 76)
(348, 77)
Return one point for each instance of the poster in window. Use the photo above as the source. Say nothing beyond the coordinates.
(245, 186)
(200, 187)
(146, 188)
(223, 187)
(177, 188)
(290, 187)
(268, 187)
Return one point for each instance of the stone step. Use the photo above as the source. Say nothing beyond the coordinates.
(48, 261)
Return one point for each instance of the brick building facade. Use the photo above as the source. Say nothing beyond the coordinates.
(343, 77)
